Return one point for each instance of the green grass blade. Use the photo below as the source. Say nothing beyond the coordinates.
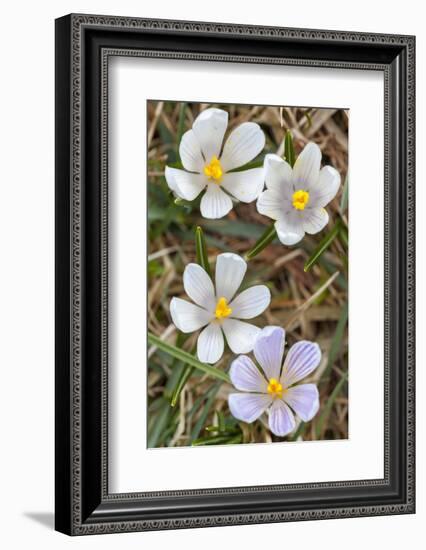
(205, 411)
(336, 342)
(187, 358)
(183, 379)
(201, 250)
(157, 430)
(216, 440)
(344, 236)
(345, 195)
(289, 149)
(299, 432)
(182, 202)
(221, 421)
(227, 431)
(248, 166)
(308, 117)
(322, 247)
(266, 239)
(329, 405)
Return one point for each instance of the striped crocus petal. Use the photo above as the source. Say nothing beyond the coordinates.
(248, 406)
(304, 400)
(269, 350)
(281, 419)
(245, 376)
(302, 358)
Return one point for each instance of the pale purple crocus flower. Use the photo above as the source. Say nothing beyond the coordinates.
(272, 388)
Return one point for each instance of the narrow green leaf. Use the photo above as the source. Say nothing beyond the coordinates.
(195, 407)
(176, 164)
(289, 149)
(221, 421)
(183, 379)
(344, 235)
(182, 202)
(300, 431)
(266, 239)
(336, 342)
(345, 195)
(248, 166)
(176, 368)
(162, 418)
(212, 429)
(216, 440)
(201, 250)
(330, 269)
(205, 411)
(174, 385)
(308, 117)
(322, 247)
(329, 405)
(227, 431)
(236, 439)
(187, 358)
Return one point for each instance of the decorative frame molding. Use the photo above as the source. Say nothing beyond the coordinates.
(84, 43)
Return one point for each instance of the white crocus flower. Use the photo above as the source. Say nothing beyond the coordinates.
(296, 197)
(208, 166)
(219, 308)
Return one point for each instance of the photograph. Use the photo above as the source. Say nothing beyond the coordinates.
(247, 286)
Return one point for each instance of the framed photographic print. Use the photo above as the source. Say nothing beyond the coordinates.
(234, 274)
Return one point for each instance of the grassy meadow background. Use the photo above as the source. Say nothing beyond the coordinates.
(185, 406)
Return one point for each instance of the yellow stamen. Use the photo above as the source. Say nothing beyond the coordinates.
(275, 388)
(300, 199)
(213, 170)
(222, 309)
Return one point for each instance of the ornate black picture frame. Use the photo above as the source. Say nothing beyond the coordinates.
(84, 44)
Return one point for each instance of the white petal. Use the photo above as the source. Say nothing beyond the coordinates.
(210, 344)
(281, 419)
(199, 286)
(239, 335)
(314, 219)
(269, 350)
(248, 406)
(326, 188)
(289, 229)
(270, 203)
(251, 302)
(307, 167)
(215, 202)
(244, 186)
(304, 400)
(210, 127)
(190, 152)
(278, 175)
(302, 358)
(185, 184)
(230, 271)
(246, 376)
(188, 317)
(243, 145)
(169, 175)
